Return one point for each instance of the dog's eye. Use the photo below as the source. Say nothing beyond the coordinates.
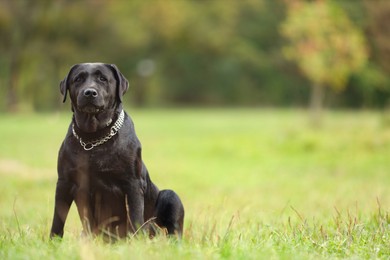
(103, 79)
(78, 79)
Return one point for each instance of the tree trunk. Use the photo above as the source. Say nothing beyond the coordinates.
(12, 93)
(316, 104)
(140, 92)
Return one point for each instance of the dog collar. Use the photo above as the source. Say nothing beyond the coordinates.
(113, 131)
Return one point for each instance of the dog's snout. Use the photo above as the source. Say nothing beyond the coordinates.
(90, 92)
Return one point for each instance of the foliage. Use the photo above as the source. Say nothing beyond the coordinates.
(379, 31)
(323, 42)
(255, 183)
(193, 52)
(325, 45)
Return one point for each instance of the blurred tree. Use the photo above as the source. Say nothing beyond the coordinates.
(15, 35)
(196, 48)
(326, 46)
(181, 52)
(370, 87)
(39, 39)
(379, 31)
(219, 53)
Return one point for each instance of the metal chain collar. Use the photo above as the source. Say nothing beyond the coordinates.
(113, 131)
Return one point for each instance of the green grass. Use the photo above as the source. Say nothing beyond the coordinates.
(255, 184)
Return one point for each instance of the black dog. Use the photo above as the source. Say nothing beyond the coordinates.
(100, 165)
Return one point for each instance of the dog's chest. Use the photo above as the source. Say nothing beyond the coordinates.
(113, 163)
(105, 167)
(108, 172)
(98, 163)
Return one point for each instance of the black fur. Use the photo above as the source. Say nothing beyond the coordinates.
(110, 184)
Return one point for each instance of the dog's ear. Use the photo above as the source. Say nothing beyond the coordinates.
(122, 84)
(64, 84)
(64, 88)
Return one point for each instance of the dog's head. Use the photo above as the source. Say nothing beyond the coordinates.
(94, 87)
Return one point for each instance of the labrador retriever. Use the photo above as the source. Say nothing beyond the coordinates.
(100, 163)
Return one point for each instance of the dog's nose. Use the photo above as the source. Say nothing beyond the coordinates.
(90, 92)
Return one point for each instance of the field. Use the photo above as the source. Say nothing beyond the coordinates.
(256, 184)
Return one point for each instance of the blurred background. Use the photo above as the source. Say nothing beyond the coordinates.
(201, 53)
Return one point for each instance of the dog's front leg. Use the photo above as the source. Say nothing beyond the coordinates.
(63, 201)
(83, 202)
(134, 207)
